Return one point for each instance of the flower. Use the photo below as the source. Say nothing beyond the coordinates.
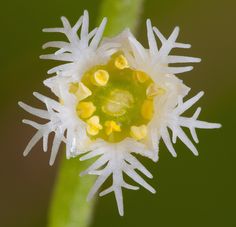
(116, 99)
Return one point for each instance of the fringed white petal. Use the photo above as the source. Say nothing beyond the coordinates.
(155, 61)
(81, 51)
(116, 159)
(61, 120)
(173, 120)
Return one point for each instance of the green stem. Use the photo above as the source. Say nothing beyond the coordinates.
(69, 207)
(121, 14)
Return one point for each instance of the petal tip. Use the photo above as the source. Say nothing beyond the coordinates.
(20, 104)
(25, 153)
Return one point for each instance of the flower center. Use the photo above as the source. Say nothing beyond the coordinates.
(115, 100)
(118, 102)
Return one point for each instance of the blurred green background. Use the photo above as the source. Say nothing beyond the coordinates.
(191, 191)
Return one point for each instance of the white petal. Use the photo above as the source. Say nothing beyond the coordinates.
(186, 141)
(135, 163)
(61, 57)
(85, 26)
(181, 59)
(175, 70)
(38, 135)
(66, 23)
(60, 30)
(55, 147)
(97, 164)
(132, 174)
(138, 49)
(92, 154)
(151, 38)
(77, 24)
(34, 111)
(129, 186)
(100, 180)
(166, 138)
(119, 200)
(32, 123)
(97, 38)
(159, 35)
(45, 142)
(106, 191)
(182, 45)
(186, 105)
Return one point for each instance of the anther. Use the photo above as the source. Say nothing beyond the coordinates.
(121, 62)
(80, 90)
(83, 92)
(154, 90)
(111, 126)
(138, 132)
(141, 76)
(100, 77)
(93, 126)
(85, 109)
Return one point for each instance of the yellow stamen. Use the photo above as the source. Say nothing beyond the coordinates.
(100, 77)
(82, 92)
(93, 126)
(147, 109)
(141, 76)
(111, 126)
(138, 132)
(121, 62)
(154, 90)
(85, 109)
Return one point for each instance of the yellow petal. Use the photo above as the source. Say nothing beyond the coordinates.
(85, 109)
(138, 132)
(121, 62)
(111, 126)
(147, 109)
(93, 126)
(154, 90)
(100, 77)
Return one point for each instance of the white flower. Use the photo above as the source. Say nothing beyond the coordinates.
(115, 99)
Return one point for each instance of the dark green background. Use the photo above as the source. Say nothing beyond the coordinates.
(191, 191)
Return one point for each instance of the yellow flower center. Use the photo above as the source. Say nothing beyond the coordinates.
(118, 102)
(115, 100)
